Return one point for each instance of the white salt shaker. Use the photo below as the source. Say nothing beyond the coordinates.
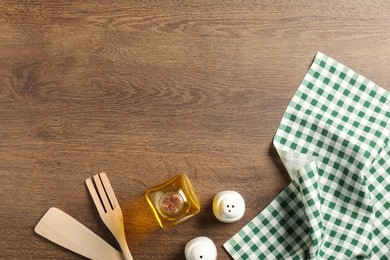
(228, 206)
(200, 248)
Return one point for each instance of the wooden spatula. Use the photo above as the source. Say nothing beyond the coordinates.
(62, 229)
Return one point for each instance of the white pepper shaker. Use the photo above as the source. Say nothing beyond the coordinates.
(200, 248)
(228, 206)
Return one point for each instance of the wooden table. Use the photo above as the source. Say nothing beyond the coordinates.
(144, 90)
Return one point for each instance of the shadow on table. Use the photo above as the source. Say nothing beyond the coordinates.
(278, 163)
(141, 226)
(139, 220)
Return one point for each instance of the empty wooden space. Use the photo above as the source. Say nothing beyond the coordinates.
(144, 90)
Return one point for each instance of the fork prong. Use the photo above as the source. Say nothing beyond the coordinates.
(95, 196)
(109, 190)
(102, 192)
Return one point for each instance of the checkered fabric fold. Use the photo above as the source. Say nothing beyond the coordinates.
(334, 142)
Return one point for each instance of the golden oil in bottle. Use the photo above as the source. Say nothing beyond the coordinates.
(173, 201)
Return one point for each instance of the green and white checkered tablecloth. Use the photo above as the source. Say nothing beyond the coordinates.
(334, 142)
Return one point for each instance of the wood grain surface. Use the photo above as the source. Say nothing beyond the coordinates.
(144, 90)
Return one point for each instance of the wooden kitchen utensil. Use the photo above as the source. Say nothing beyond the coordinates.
(108, 208)
(62, 229)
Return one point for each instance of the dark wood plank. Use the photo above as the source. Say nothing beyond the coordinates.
(144, 90)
